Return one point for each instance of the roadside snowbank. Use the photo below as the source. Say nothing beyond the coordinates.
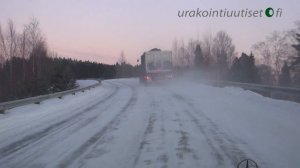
(85, 83)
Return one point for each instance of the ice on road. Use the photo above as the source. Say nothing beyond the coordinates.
(126, 124)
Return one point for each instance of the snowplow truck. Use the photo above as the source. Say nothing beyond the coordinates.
(156, 65)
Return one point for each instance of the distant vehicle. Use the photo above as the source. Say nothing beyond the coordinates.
(156, 65)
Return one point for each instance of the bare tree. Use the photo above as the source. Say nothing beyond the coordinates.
(23, 51)
(223, 51)
(8, 47)
(122, 59)
(3, 51)
(175, 53)
(279, 47)
(34, 33)
(191, 47)
(34, 39)
(207, 47)
(11, 39)
(182, 54)
(263, 50)
(22, 47)
(275, 50)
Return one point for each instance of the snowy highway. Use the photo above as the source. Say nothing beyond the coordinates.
(123, 123)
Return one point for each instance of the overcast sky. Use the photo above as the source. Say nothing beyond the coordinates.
(98, 30)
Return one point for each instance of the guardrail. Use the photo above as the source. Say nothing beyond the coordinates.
(277, 92)
(37, 99)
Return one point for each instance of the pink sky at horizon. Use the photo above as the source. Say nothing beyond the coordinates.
(99, 30)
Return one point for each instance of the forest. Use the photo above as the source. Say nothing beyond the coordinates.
(273, 61)
(28, 69)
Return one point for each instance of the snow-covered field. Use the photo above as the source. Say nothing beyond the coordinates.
(125, 124)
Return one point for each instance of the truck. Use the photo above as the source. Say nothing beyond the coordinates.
(156, 65)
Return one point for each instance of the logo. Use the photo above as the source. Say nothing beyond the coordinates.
(269, 12)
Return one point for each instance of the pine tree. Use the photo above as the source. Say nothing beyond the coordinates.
(252, 69)
(243, 69)
(234, 72)
(296, 60)
(295, 64)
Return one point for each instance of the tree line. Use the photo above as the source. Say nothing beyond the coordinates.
(28, 69)
(274, 61)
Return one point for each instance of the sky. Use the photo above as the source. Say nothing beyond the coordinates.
(99, 30)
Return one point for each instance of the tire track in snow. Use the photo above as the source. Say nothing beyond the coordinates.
(183, 145)
(154, 150)
(214, 136)
(148, 130)
(163, 158)
(186, 155)
(151, 151)
(92, 141)
(34, 152)
(10, 149)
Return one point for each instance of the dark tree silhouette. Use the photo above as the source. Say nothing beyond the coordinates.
(296, 60)
(199, 60)
(52, 75)
(295, 63)
(243, 69)
(297, 46)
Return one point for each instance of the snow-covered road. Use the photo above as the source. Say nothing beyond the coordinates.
(125, 124)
